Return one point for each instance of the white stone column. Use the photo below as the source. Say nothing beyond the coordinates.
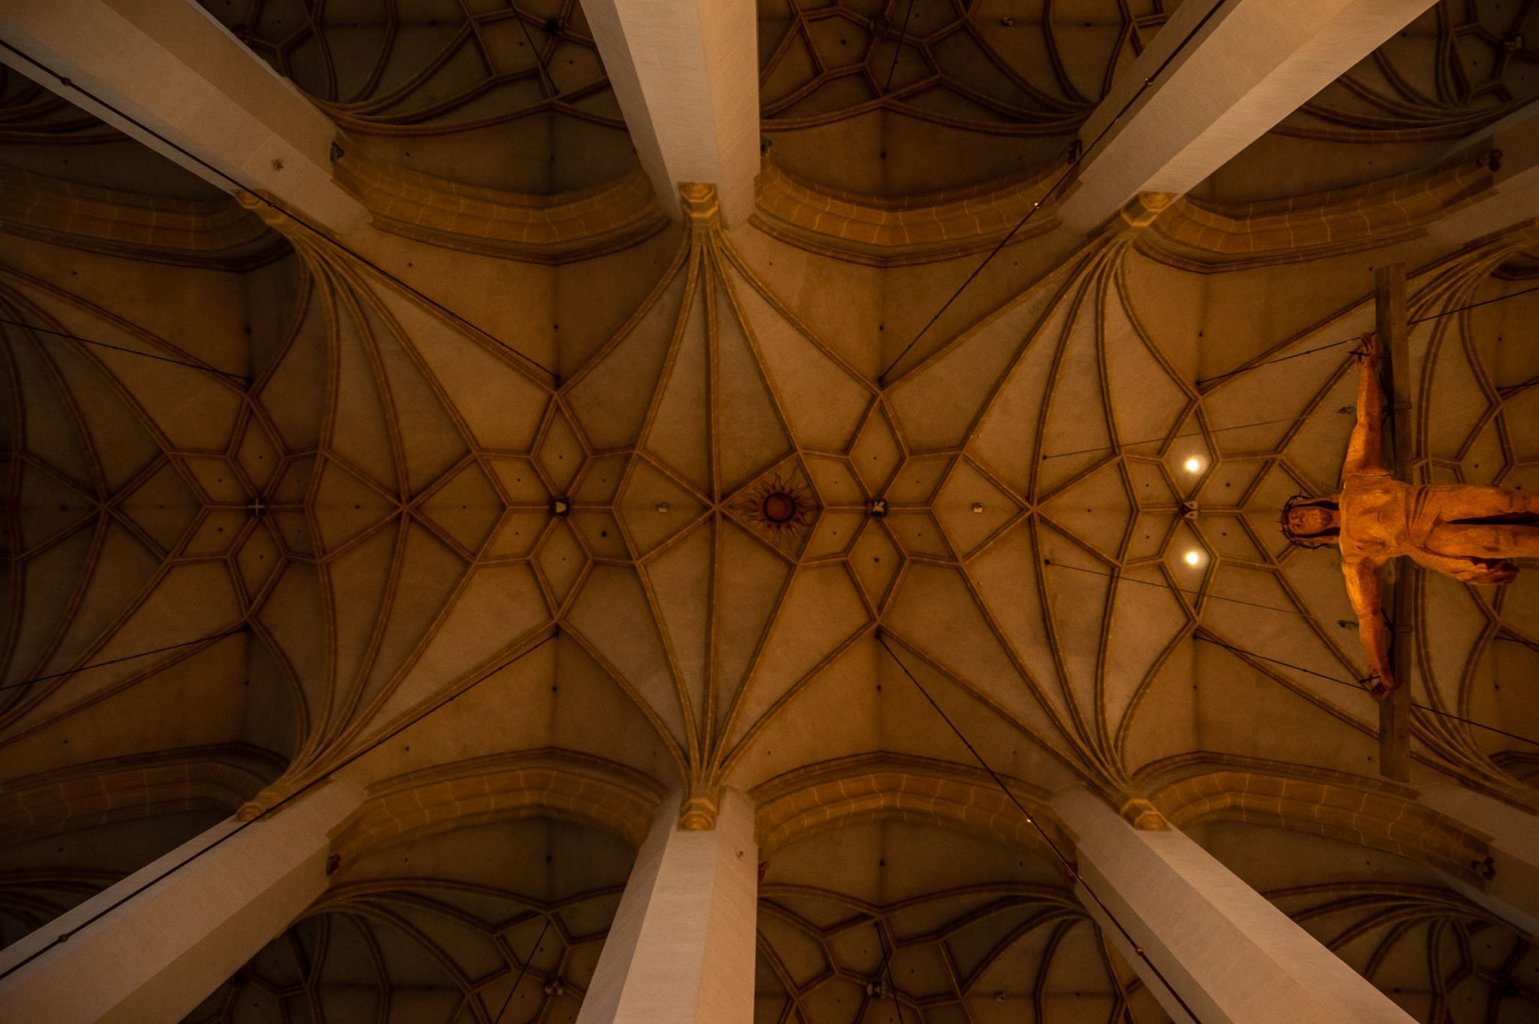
(170, 66)
(1230, 954)
(686, 75)
(1513, 890)
(1248, 65)
(159, 953)
(682, 945)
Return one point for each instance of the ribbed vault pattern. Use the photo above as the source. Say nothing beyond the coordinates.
(350, 508)
(381, 532)
(1007, 84)
(129, 508)
(1434, 953)
(489, 923)
(991, 935)
(1419, 103)
(410, 69)
(418, 950)
(960, 65)
(950, 955)
(402, 75)
(1458, 68)
(1441, 957)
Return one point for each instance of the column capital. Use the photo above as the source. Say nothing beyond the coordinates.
(685, 74)
(698, 807)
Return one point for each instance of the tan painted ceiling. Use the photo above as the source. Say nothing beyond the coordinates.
(342, 513)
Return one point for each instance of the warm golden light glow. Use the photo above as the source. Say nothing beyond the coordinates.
(1193, 464)
(1193, 557)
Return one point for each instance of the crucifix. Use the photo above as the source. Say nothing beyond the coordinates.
(1466, 531)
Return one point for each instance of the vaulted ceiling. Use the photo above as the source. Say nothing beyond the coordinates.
(281, 505)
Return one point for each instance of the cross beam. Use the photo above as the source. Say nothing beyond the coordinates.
(1395, 709)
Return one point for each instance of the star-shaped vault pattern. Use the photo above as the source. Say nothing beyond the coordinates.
(287, 516)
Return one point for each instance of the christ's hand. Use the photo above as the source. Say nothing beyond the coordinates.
(1369, 350)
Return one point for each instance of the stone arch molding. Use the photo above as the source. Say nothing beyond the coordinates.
(834, 794)
(500, 787)
(132, 786)
(1380, 816)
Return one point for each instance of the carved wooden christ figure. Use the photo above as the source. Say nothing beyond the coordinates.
(1469, 532)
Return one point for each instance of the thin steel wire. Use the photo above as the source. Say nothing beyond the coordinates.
(892, 986)
(1123, 578)
(1169, 437)
(64, 936)
(1411, 323)
(1473, 305)
(38, 329)
(1206, 638)
(1201, 381)
(1058, 183)
(1068, 865)
(117, 661)
(897, 48)
(524, 967)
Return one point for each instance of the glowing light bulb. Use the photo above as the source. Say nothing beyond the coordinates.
(1193, 557)
(1192, 465)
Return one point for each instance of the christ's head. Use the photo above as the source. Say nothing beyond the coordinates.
(1311, 522)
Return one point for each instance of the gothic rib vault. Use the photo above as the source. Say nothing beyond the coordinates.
(328, 510)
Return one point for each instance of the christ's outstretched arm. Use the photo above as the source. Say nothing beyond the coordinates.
(1365, 449)
(1363, 591)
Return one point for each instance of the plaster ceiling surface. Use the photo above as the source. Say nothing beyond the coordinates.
(320, 528)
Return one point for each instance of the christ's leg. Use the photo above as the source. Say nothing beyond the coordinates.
(1484, 522)
(1483, 506)
(1517, 540)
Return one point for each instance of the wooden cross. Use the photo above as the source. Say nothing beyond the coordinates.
(1395, 709)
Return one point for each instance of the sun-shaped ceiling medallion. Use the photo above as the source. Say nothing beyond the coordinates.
(780, 507)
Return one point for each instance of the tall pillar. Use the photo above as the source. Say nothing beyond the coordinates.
(685, 73)
(169, 69)
(1513, 890)
(1245, 66)
(682, 944)
(1230, 954)
(132, 956)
